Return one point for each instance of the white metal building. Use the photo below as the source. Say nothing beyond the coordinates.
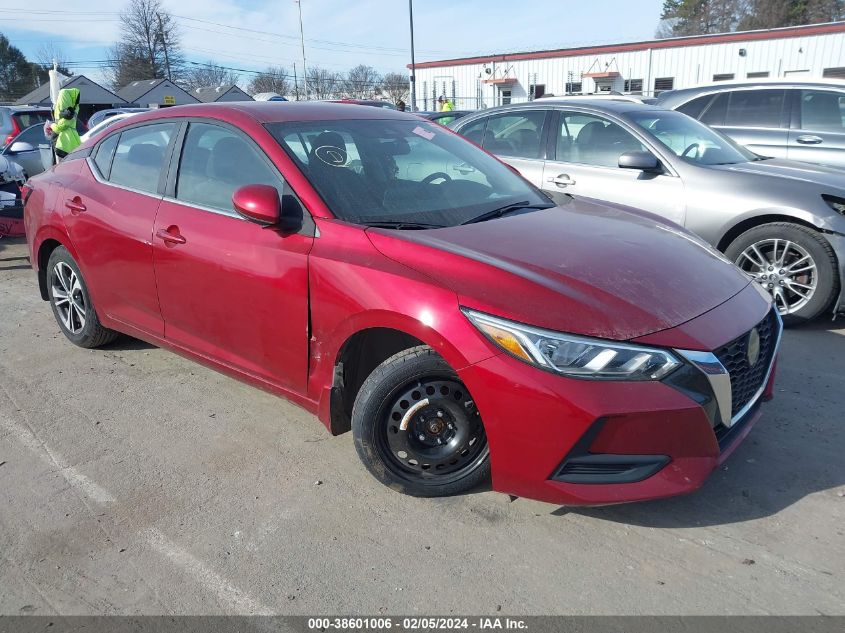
(634, 68)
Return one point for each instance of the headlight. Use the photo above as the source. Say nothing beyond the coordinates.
(837, 204)
(575, 356)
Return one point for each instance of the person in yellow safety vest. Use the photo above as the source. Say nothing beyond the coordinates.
(64, 121)
(445, 104)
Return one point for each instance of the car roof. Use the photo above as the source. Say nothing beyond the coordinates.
(26, 108)
(835, 84)
(277, 111)
(613, 106)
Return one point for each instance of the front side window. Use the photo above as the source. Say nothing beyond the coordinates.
(755, 108)
(689, 139)
(377, 171)
(139, 156)
(593, 140)
(695, 107)
(823, 111)
(215, 162)
(517, 134)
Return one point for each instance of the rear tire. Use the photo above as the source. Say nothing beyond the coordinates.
(416, 428)
(796, 264)
(71, 302)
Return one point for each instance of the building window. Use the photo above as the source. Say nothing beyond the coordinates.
(537, 90)
(759, 75)
(573, 86)
(633, 85)
(838, 73)
(723, 77)
(506, 97)
(664, 83)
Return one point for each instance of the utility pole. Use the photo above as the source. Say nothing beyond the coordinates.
(295, 82)
(164, 45)
(413, 65)
(302, 41)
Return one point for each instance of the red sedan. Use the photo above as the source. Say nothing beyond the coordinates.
(398, 281)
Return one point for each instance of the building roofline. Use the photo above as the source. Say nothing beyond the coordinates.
(674, 42)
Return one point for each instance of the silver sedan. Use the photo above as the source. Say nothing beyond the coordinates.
(783, 222)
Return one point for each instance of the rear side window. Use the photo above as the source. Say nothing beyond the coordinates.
(217, 161)
(516, 134)
(139, 156)
(474, 131)
(695, 107)
(756, 108)
(105, 153)
(822, 111)
(26, 119)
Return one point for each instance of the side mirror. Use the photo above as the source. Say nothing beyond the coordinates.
(261, 204)
(644, 161)
(20, 146)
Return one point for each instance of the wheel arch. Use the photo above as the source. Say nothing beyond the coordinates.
(365, 343)
(47, 241)
(766, 217)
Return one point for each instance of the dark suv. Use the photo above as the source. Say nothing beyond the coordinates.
(15, 119)
(798, 120)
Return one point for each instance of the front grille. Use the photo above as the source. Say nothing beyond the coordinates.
(746, 380)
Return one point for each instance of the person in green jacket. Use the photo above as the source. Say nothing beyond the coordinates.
(445, 104)
(64, 126)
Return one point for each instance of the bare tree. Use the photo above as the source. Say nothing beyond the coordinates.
(149, 45)
(323, 83)
(48, 53)
(208, 74)
(271, 79)
(395, 87)
(770, 14)
(361, 82)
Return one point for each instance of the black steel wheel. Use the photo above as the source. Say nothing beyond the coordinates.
(417, 429)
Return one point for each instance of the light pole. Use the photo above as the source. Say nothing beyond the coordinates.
(413, 65)
(302, 41)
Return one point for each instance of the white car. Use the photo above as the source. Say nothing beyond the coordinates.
(102, 125)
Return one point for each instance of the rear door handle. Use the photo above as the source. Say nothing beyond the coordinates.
(170, 235)
(75, 205)
(561, 180)
(809, 139)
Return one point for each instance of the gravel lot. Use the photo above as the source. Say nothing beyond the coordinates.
(133, 481)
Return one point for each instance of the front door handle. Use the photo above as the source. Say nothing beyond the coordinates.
(561, 180)
(809, 139)
(75, 205)
(170, 235)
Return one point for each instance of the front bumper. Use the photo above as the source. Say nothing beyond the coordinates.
(582, 442)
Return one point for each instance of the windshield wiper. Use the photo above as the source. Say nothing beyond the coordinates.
(403, 224)
(508, 208)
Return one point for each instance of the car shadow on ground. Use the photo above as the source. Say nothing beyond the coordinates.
(795, 449)
(125, 343)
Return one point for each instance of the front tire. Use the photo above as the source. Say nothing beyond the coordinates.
(71, 302)
(796, 264)
(417, 429)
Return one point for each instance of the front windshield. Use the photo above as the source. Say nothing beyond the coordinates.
(690, 140)
(372, 171)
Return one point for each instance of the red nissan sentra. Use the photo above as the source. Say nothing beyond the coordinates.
(398, 281)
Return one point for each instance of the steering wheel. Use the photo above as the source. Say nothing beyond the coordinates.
(438, 175)
(690, 147)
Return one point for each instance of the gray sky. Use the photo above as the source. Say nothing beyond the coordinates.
(251, 34)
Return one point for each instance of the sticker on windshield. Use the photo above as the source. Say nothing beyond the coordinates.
(424, 133)
(331, 155)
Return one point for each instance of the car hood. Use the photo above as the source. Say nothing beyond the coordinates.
(790, 170)
(583, 268)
